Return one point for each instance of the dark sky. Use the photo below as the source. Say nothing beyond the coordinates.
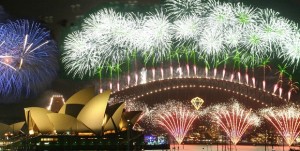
(59, 15)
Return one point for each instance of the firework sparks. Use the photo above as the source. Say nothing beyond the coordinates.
(139, 106)
(156, 42)
(106, 37)
(221, 15)
(77, 59)
(198, 30)
(175, 117)
(275, 29)
(292, 49)
(245, 16)
(234, 119)
(187, 30)
(212, 43)
(26, 51)
(180, 8)
(286, 120)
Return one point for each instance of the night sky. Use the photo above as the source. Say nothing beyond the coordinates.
(61, 15)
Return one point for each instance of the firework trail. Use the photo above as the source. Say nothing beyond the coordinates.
(234, 119)
(286, 121)
(175, 117)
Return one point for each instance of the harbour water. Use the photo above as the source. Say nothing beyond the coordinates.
(227, 148)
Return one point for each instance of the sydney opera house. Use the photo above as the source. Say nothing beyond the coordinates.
(84, 121)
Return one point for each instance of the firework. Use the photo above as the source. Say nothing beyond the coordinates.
(156, 39)
(27, 52)
(181, 8)
(211, 43)
(106, 37)
(292, 50)
(80, 57)
(245, 16)
(275, 29)
(234, 119)
(207, 32)
(175, 117)
(232, 40)
(221, 15)
(187, 30)
(140, 106)
(286, 121)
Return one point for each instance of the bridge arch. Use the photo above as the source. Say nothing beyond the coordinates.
(212, 90)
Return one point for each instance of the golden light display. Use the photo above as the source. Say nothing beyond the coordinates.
(197, 102)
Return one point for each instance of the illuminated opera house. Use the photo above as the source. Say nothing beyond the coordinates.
(84, 121)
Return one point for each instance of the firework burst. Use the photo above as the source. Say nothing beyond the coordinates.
(210, 30)
(106, 37)
(292, 50)
(181, 8)
(27, 52)
(175, 117)
(80, 57)
(211, 43)
(244, 16)
(156, 29)
(275, 30)
(286, 120)
(234, 119)
(221, 15)
(187, 30)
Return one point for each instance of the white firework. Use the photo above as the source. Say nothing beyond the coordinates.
(106, 37)
(213, 39)
(275, 29)
(188, 29)
(292, 50)
(212, 30)
(233, 36)
(181, 8)
(156, 36)
(81, 57)
(133, 36)
(138, 35)
(254, 43)
(211, 42)
(221, 15)
(245, 16)
(284, 29)
(115, 29)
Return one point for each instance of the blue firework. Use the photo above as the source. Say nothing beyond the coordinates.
(28, 59)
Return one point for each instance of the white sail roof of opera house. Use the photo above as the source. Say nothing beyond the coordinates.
(37, 119)
(63, 123)
(12, 128)
(93, 112)
(113, 116)
(95, 116)
(81, 97)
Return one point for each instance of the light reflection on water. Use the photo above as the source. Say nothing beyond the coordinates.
(223, 148)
